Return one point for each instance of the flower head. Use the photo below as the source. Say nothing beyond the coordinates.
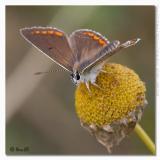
(115, 108)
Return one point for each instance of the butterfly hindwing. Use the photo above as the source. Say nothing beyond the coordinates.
(53, 43)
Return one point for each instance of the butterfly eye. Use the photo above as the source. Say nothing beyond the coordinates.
(77, 76)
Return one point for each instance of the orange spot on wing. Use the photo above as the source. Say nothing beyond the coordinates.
(50, 32)
(43, 32)
(85, 33)
(89, 34)
(102, 42)
(58, 33)
(37, 32)
(96, 37)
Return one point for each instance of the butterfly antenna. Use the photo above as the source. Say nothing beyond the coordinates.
(51, 71)
(40, 73)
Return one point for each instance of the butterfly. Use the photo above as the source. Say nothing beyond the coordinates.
(83, 53)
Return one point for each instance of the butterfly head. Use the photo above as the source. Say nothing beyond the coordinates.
(75, 77)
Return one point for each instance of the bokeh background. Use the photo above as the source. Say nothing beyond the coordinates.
(40, 112)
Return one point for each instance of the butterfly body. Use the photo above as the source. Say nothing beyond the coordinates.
(87, 76)
(83, 53)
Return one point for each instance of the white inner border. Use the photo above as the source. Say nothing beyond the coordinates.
(3, 3)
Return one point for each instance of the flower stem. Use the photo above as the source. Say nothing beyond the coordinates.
(145, 138)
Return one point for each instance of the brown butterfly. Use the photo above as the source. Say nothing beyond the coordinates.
(83, 53)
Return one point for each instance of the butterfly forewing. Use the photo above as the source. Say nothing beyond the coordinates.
(53, 43)
(86, 44)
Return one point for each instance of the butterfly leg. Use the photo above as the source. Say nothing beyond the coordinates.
(87, 85)
(96, 85)
(103, 71)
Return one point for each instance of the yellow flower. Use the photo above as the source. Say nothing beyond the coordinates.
(120, 100)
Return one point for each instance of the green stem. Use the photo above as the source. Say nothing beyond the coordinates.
(145, 138)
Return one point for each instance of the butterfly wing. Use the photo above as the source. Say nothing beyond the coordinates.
(53, 43)
(91, 48)
(86, 44)
(108, 51)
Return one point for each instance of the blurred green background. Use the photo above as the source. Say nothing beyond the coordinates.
(40, 112)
